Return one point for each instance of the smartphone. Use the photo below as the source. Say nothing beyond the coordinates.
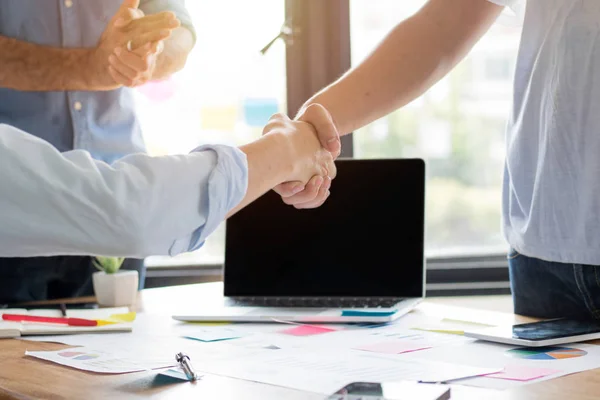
(392, 391)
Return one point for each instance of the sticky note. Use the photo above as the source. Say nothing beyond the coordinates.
(395, 347)
(523, 374)
(370, 313)
(126, 317)
(215, 335)
(307, 330)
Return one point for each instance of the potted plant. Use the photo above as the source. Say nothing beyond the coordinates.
(114, 287)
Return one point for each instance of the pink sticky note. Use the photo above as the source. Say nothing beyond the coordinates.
(395, 347)
(307, 330)
(523, 374)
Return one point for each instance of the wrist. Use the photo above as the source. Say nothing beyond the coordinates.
(95, 70)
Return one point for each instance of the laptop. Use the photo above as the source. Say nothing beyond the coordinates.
(357, 258)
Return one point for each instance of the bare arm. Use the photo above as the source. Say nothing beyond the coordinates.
(416, 54)
(30, 67)
(413, 57)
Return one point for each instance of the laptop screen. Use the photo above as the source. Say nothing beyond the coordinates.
(366, 240)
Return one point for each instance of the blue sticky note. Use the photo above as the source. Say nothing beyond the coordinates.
(257, 111)
(370, 313)
(215, 335)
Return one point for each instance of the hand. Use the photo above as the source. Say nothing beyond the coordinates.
(309, 158)
(129, 27)
(134, 68)
(317, 191)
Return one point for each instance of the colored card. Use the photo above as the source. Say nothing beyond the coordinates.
(523, 374)
(307, 330)
(394, 347)
(214, 335)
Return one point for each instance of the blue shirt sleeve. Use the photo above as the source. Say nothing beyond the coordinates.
(54, 203)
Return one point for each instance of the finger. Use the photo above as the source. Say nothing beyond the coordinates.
(127, 16)
(143, 39)
(163, 20)
(308, 194)
(319, 199)
(331, 169)
(120, 78)
(288, 189)
(123, 68)
(319, 117)
(133, 60)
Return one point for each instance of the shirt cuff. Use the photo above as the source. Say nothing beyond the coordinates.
(225, 189)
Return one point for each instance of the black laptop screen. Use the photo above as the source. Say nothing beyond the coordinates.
(366, 240)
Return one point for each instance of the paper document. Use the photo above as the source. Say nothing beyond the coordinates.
(324, 372)
(523, 365)
(87, 359)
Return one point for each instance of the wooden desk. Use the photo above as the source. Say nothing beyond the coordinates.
(25, 378)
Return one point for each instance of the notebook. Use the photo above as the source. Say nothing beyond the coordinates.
(17, 329)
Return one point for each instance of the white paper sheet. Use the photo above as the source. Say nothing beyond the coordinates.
(480, 353)
(88, 359)
(324, 372)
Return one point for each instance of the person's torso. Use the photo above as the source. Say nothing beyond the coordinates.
(103, 123)
(552, 185)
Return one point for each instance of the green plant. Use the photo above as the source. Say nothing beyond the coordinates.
(109, 265)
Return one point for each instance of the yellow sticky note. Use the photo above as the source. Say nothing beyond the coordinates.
(127, 317)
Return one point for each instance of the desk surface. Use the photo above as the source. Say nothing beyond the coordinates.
(22, 377)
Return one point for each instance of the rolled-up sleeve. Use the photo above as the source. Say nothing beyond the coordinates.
(177, 6)
(71, 204)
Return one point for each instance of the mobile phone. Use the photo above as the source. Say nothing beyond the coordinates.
(392, 391)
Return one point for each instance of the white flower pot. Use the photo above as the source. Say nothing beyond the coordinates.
(116, 290)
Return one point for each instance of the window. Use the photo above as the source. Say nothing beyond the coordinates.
(225, 94)
(458, 127)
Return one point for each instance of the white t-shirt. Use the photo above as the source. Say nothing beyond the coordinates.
(551, 194)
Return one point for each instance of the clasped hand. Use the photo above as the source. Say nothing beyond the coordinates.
(132, 42)
(313, 189)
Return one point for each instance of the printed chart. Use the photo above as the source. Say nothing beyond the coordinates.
(546, 353)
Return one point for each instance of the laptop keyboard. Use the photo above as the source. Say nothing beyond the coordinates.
(318, 302)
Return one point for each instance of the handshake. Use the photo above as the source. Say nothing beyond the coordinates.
(127, 52)
(315, 144)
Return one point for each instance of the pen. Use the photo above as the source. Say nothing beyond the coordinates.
(186, 365)
(52, 320)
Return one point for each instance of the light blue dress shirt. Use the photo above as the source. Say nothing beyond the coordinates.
(71, 204)
(551, 205)
(102, 123)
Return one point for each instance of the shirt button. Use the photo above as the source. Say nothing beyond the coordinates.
(77, 106)
(68, 3)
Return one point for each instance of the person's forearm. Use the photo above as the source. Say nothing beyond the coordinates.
(69, 203)
(175, 53)
(413, 57)
(30, 67)
(270, 162)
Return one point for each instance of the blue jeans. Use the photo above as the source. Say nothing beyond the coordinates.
(545, 289)
(46, 278)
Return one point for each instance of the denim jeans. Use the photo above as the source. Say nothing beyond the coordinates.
(547, 289)
(45, 278)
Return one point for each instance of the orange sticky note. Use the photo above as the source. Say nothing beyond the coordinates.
(307, 330)
(395, 347)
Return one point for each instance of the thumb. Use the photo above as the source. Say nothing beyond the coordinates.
(127, 12)
(318, 116)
